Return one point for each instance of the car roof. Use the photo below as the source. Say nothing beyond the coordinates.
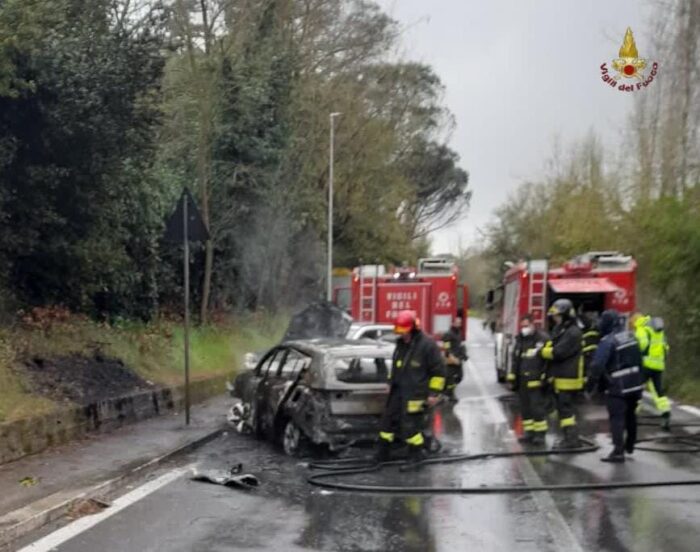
(340, 347)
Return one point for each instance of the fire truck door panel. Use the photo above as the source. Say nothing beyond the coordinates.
(393, 298)
(510, 307)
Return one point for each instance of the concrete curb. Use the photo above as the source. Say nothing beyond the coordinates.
(32, 435)
(23, 521)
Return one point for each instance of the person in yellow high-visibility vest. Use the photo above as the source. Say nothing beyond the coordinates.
(652, 342)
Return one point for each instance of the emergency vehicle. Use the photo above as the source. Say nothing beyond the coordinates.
(376, 294)
(594, 281)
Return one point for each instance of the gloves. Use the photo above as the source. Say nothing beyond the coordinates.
(547, 352)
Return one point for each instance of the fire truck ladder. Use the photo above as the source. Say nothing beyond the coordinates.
(368, 301)
(537, 295)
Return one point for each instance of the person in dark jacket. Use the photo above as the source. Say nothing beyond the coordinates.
(530, 371)
(455, 356)
(417, 381)
(617, 369)
(565, 368)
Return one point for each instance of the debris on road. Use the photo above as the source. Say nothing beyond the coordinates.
(228, 478)
(86, 507)
(28, 481)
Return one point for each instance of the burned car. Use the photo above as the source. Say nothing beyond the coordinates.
(323, 391)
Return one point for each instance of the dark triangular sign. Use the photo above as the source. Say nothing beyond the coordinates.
(175, 227)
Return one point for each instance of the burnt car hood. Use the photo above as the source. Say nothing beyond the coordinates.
(322, 319)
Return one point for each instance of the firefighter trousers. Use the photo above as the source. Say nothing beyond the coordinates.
(566, 411)
(623, 420)
(455, 373)
(533, 408)
(401, 423)
(654, 381)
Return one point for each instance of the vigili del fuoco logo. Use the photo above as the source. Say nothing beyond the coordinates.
(629, 66)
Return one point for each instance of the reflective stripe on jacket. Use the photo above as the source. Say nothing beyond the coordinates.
(619, 360)
(566, 359)
(418, 368)
(528, 366)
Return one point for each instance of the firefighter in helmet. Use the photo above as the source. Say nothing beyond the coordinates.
(654, 347)
(417, 380)
(530, 372)
(565, 368)
(455, 355)
(616, 368)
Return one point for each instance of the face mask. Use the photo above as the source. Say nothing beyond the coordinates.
(527, 331)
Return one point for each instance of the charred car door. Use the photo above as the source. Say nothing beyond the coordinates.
(268, 391)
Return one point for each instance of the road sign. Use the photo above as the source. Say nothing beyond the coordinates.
(175, 227)
(186, 225)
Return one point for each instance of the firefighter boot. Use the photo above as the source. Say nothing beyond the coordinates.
(526, 438)
(383, 452)
(538, 439)
(569, 440)
(416, 456)
(666, 421)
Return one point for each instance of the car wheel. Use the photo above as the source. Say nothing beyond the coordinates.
(292, 438)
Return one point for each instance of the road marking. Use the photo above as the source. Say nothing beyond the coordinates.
(72, 530)
(496, 412)
(557, 526)
(690, 409)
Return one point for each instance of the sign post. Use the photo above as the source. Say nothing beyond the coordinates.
(186, 224)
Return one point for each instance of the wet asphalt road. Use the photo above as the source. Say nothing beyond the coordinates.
(286, 513)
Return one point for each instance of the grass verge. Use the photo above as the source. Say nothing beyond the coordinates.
(155, 351)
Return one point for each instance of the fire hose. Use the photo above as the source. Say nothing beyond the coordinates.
(360, 466)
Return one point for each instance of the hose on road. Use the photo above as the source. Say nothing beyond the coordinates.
(361, 466)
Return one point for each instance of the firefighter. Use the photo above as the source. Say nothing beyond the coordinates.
(455, 356)
(591, 337)
(417, 380)
(617, 369)
(565, 368)
(654, 347)
(530, 371)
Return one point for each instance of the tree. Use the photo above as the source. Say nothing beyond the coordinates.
(81, 133)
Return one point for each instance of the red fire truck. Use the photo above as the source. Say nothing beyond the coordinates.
(376, 294)
(593, 281)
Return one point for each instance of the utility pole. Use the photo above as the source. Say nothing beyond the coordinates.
(329, 276)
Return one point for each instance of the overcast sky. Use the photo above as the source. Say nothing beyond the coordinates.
(518, 73)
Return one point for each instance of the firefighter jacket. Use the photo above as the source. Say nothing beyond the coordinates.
(528, 365)
(591, 338)
(418, 370)
(564, 354)
(453, 347)
(617, 362)
(652, 344)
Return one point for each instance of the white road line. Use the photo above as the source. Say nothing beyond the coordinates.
(560, 531)
(72, 530)
(496, 412)
(690, 409)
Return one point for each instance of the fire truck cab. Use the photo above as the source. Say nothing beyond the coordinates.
(376, 294)
(594, 281)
